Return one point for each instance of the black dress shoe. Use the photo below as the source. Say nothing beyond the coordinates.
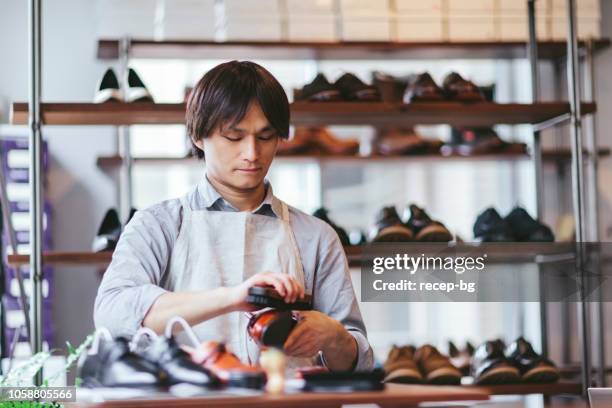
(389, 227)
(353, 89)
(491, 227)
(114, 365)
(322, 214)
(136, 89)
(108, 88)
(424, 228)
(175, 364)
(422, 88)
(319, 90)
(108, 233)
(475, 141)
(490, 365)
(459, 89)
(532, 366)
(390, 87)
(525, 228)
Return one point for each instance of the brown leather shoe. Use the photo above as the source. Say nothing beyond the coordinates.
(388, 227)
(398, 141)
(333, 145)
(459, 89)
(301, 143)
(424, 228)
(226, 366)
(423, 89)
(400, 366)
(436, 367)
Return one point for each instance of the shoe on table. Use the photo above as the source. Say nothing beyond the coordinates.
(459, 89)
(330, 144)
(319, 90)
(108, 234)
(110, 363)
(354, 89)
(527, 229)
(322, 214)
(108, 88)
(175, 364)
(401, 367)
(490, 365)
(227, 366)
(397, 141)
(389, 227)
(491, 227)
(136, 89)
(533, 367)
(422, 88)
(436, 367)
(423, 227)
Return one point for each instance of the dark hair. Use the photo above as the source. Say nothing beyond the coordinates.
(223, 96)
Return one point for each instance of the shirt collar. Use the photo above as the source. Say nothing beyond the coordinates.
(212, 200)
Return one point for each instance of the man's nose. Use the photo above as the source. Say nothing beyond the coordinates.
(250, 148)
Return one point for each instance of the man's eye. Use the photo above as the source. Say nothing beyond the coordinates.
(267, 136)
(232, 138)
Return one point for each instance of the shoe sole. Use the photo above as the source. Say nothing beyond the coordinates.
(395, 233)
(499, 375)
(444, 376)
(434, 233)
(404, 376)
(545, 374)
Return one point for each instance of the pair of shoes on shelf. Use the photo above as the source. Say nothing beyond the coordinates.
(423, 88)
(317, 141)
(109, 89)
(163, 362)
(475, 141)
(404, 141)
(518, 226)
(109, 231)
(418, 226)
(407, 365)
(493, 363)
(346, 88)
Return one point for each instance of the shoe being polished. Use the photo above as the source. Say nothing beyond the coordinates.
(424, 228)
(459, 89)
(319, 90)
(226, 366)
(436, 367)
(110, 363)
(401, 367)
(136, 89)
(108, 233)
(322, 214)
(175, 364)
(533, 367)
(526, 229)
(389, 227)
(422, 88)
(491, 227)
(354, 89)
(490, 365)
(108, 89)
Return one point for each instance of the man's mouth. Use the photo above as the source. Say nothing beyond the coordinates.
(251, 170)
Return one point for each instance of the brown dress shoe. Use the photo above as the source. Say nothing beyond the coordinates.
(436, 367)
(330, 144)
(424, 228)
(459, 89)
(397, 141)
(400, 366)
(423, 88)
(301, 143)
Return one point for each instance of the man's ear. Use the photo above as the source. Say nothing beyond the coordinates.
(199, 143)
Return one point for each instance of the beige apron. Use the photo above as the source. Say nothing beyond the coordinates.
(220, 248)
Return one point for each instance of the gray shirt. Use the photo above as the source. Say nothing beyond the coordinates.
(135, 276)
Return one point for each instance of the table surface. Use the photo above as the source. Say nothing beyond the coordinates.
(395, 395)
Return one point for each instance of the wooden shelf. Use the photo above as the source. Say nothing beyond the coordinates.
(497, 253)
(481, 114)
(141, 48)
(557, 388)
(548, 155)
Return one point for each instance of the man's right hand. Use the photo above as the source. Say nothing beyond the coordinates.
(289, 288)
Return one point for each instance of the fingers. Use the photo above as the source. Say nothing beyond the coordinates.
(286, 286)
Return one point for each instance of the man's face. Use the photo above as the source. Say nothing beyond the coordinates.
(240, 155)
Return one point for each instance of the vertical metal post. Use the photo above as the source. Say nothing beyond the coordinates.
(35, 181)
(577, 187)
(532, 47)
(593, 202)
(123, 134)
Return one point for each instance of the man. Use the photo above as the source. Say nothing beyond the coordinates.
(197, 256)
